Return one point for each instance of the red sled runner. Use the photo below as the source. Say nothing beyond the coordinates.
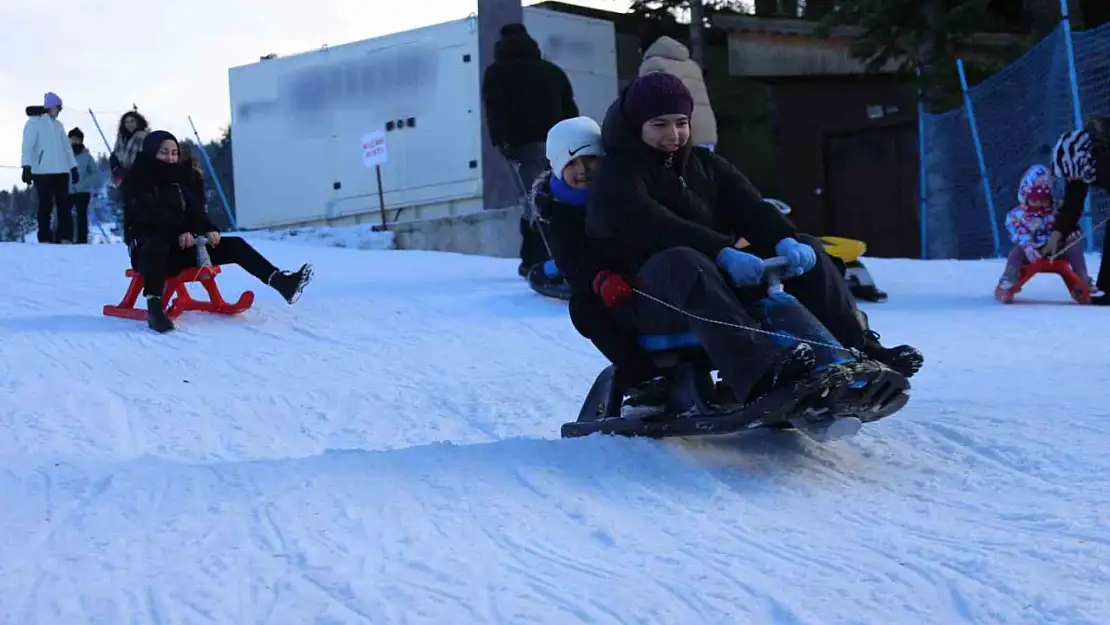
(183, 300)
(1080, 292)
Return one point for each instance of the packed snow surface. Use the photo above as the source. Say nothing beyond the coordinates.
(387, 451)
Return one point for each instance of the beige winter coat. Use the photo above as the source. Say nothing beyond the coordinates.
(670, 56)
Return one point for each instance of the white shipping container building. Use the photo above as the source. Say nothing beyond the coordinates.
(297, 121)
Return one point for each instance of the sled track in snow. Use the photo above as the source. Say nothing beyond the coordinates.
(300, 474)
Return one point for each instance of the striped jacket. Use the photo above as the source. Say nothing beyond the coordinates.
(1081, 162)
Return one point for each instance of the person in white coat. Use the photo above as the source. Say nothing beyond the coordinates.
(668, 55)
(49, 164)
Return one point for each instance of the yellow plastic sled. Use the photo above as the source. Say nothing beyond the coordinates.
(846, 254)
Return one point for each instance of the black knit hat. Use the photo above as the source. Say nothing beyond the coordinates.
(153, 142)
(656, 94)
(516, 28)
(76, 132)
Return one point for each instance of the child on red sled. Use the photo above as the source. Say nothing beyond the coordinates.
(1030, 223)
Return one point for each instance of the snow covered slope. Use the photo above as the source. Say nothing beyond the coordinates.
(386, 451)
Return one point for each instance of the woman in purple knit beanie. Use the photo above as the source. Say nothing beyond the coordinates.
(673, 214)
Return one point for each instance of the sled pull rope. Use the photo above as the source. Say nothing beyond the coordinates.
(1078, 239)
(840, 348)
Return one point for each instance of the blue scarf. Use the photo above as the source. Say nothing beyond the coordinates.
(567, 194)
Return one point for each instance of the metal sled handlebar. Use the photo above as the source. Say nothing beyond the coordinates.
(775, 262)
(773, 268)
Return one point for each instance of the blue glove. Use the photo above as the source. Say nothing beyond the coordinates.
(549, 269)
(744, 268)
(799, 256)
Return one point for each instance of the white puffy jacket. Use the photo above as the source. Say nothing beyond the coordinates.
(670, 56)
(46, 148)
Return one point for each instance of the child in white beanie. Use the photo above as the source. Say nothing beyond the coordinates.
(598, 294)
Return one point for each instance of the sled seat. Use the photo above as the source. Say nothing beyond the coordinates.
(668, 342)
(182, 301)
(1079, 290)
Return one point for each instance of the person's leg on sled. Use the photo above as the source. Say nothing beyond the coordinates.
(751, 364)
(598, 318)
(234, 250)
(158, 259)
(816, 282)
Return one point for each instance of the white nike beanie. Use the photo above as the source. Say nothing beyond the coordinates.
(571, 138)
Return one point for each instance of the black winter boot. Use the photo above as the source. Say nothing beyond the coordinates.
(798, 364)
(290, 283)
(904, 359)
(156, 316)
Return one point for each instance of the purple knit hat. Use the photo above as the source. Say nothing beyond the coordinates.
(655, 94)
(50, 100)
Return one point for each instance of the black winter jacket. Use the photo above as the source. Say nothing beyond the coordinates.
(163, 201)
(524, 94)
(644, 201)
(1075, 193)
(578, 257)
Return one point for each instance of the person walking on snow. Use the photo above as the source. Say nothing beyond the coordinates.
(81, 191)
(524, 95)
(49, 164)
(664, 54)
(1082, 159)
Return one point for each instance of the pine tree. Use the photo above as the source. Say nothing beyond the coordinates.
(923, 37)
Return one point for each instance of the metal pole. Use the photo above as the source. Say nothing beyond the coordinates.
(697, 31)
(984, 180)
(215, 178)
(99, 223)
(1077, 112)
(381, 194)
(922, 191)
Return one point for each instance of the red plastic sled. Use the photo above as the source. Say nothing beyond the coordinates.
(184, 301)
(1080, 292)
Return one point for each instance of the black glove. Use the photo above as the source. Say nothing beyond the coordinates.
(509, 152)
(113, 162)
(26, 175)
(74, 175)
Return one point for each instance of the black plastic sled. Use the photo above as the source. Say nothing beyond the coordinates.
(832, 404)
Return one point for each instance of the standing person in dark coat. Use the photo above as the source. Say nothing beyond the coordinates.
(598, 293)
(1082, 159)
(164, 212)
(80, 192)
(524, 95)
(674, 213)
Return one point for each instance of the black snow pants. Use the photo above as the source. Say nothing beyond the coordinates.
(1103, 281)
(53, 192)
(614, 339)
(691, 281)
(80, 202)
(826, 294)
(157, 259)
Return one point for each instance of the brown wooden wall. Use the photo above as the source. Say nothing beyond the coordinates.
(847, 155)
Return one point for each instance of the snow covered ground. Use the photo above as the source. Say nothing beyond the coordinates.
(387, 451)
